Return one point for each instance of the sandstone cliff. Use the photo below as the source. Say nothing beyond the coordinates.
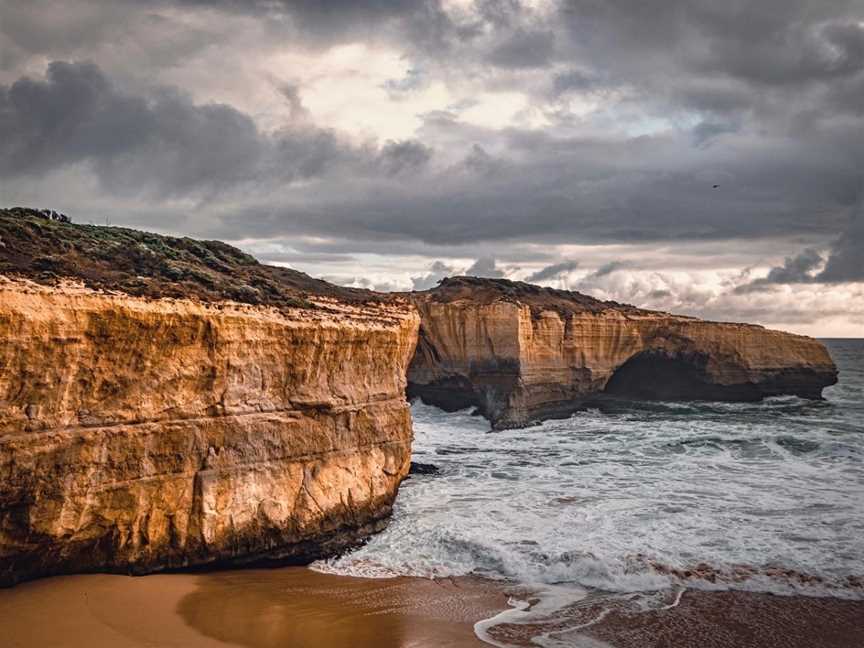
(167, 402)
(140, 433)
(522, 353)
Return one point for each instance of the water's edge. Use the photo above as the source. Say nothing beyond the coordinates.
(639, 500)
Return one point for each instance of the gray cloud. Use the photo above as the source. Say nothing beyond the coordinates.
(627, 114)
(705, 132)
(574, 80)
(164, 143)
(295, 103)
(422, 23)
(524, 49)
(437, 271)
(795, 269)
(405, 156)
(607, 269)
(553, 271)
(846, 262)
(843, 263)
(485, 267)
(770, 42)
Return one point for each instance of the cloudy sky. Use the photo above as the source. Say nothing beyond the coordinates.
(574, 143)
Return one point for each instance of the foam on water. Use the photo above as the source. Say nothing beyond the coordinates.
(633, 497)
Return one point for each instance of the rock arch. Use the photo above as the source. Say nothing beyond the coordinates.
(654, 374)
(521, 354)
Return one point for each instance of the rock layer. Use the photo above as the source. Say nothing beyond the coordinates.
(167, 403)
(521, 353)
(140, 434)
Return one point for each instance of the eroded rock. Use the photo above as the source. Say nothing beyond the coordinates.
(521, 353)
(140, 434)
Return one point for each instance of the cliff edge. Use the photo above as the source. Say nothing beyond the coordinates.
(167, 403)
(522, 353)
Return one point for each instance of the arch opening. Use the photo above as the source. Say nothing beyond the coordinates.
(655, 375)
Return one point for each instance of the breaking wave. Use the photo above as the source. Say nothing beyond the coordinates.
(637, 500)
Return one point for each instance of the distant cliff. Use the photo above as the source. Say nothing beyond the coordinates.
(150, 419)
(522, 353)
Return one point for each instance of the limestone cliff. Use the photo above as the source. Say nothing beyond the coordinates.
(140, 433)
(167, 402)
(522, 353)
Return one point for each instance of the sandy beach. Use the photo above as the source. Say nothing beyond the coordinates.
(301, 608)
(290, 607)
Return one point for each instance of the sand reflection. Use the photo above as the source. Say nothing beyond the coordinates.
(299, 608)
(289, 608)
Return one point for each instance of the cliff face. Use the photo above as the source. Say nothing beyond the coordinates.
(167, 402)
(139, 434)
(521, 353)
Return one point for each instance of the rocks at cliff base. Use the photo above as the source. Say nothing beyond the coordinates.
(141, 434)
(418, 468)
(522, 353)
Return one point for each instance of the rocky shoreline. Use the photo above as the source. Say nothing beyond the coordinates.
(168, 403)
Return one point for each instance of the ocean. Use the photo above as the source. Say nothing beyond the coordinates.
(635, 501)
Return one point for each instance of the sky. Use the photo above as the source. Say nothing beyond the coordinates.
(692, 156)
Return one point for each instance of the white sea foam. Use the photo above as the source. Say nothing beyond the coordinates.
(639, 497)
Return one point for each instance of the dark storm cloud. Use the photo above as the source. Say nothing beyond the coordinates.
(767, 42)
(707, 131)
(524, 49)
(582, 190)
(846, 262)
(421, 23)
(164, 142)
(843, 262)
(800, 268)
(797, 269)
(128, 32)
(574, 80)
(75, 114)
(762, 98)
(553, 271)
(404, 156)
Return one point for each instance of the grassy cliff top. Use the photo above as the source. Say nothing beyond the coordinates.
(44, 246)
(539, 298)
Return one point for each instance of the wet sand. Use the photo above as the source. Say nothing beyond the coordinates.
(291, 607)
(300, 608)
(739, 620)
(698, 620)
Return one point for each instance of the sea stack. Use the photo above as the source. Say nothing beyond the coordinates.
(168, 403)
(520, 353)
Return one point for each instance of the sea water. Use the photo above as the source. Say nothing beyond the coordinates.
(639, 499)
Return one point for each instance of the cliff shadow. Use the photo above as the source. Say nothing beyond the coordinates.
(653, 375)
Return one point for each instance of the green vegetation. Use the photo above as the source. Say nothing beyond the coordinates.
(44, 247)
